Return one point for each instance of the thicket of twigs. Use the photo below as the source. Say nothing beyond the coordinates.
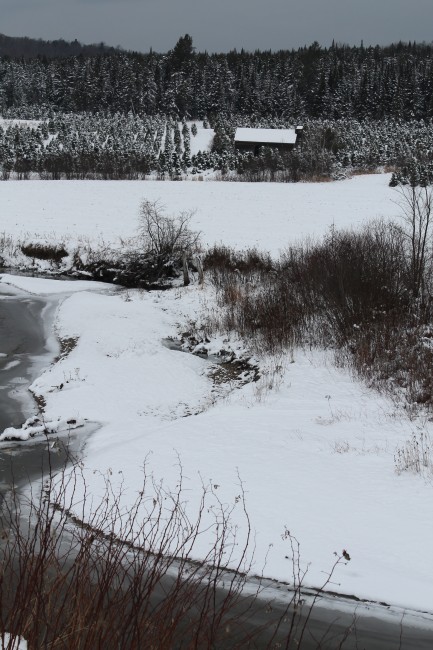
(366, 294)
(164, 249)
(127, 579)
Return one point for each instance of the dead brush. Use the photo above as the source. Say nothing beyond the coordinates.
(9, 247)
(233, 293)
(74, 576)
(352, 292)
(415, 455)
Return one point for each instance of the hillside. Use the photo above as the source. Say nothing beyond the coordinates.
(29, 48)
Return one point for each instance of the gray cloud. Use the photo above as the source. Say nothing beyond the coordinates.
(220, 25)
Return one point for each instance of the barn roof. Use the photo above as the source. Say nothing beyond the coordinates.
(274, 136)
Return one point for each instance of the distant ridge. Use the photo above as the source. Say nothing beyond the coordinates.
(22, 46)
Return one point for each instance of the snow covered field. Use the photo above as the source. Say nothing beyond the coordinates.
(266, 215)
(315, 452)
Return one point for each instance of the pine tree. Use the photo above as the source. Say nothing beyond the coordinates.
(177, 139)
(186, 158)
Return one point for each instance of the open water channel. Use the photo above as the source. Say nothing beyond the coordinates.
(23, 353)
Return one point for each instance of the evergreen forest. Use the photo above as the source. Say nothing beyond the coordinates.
(108, 113)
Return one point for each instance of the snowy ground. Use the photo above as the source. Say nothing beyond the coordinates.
(315, 452)
(14, 643)
(203, 140)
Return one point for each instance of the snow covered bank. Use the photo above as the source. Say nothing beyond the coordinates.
(28, 346)
(315, 453)
(34, 426)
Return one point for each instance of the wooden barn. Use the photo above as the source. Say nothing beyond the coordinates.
(253, 139)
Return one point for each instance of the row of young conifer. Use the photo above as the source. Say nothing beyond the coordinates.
(129, 146)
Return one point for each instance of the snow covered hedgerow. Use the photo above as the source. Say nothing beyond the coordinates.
(50, 252)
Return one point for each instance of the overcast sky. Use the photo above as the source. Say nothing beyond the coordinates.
(220, 25)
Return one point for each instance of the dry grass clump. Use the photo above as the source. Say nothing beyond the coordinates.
(415, 455)
(49, 252)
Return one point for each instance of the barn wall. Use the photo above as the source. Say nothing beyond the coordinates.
(252, 146)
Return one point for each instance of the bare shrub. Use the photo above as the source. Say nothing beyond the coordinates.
(416, 205)
(353, 291)
(246, 283)
(356, 278)
(166, 237)
(166, 246)
(117, 579)
(337, 286)
(114, 578)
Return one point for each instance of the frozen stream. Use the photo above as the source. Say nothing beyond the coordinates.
(25, 349)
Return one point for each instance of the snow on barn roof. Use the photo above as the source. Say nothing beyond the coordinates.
(275, 136)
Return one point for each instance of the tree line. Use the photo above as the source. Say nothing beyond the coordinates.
(311, 82)
(28, 48)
